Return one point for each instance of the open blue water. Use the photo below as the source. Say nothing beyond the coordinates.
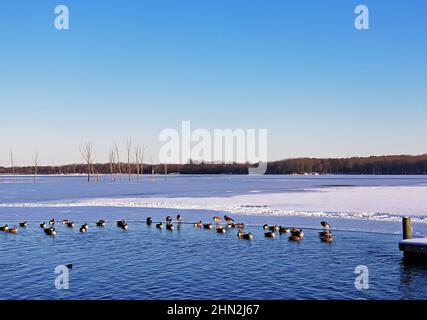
(188, 263)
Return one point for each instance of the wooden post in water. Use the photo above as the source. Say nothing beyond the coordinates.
(407, 228)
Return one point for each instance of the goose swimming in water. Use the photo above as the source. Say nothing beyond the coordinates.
(274, 228)
(159, 225)
(240, 234)
(265, 227)
(239, 225)
(52, 221)
(86, 226)
(70, 224)
(4, 228)
(284, 230)
(248, 236)
(168, 219)
(12, 230)
(198, 224)
(270, 235)
(169, 226)
(326, 234)
(83, 229)
(50, 231)
(122, 223)
(23, 224)
(101, 223)
(217, 219)
(178, 218)
(43, 225)
(221, 230)
(296, 234)
(207, 226)
(149, 220)
(65, 221)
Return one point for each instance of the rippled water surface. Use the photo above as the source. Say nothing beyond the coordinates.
(147, 263)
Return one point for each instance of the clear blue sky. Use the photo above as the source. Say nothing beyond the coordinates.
(131, 68)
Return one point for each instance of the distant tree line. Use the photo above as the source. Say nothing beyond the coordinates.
(401, 164)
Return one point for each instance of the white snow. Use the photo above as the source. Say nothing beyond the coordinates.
(371, 198)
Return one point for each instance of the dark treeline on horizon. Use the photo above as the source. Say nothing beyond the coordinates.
(401, 164)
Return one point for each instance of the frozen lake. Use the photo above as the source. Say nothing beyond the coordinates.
(188, 263)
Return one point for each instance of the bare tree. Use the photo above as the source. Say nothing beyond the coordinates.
(87, 152)
(118, 161)
(139, 160)
(111, 156)
(35, 164)
(152, 169)
(12, 162)
(129, 149)
(137, 153)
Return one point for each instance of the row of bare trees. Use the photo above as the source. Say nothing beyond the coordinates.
(116, 171)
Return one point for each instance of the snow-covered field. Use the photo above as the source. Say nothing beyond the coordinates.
(357, 198)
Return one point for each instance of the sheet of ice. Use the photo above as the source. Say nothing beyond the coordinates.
(378, 198)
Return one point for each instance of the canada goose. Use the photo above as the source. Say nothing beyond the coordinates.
(198, 224)
(69, 266)
(50, 231)
(85, 226)
(221, 230)
(43, 225)
(149, 220)
(217, 219)
(265, 226)
(169, 226)
(296, 234)
(23, 224)
(52, 222)
(65, 221)
(4, 228)
(121, 223)
(12, 230)
(274, 228)
(228, 219)
(284, 230)
(168, 219)
(270, 235)
(100, 223)
(248, 236)
(240, 234)
(178, 218)
(239, 225)
(207, 226)
(159, 225)
(83, 229)
(70, 224)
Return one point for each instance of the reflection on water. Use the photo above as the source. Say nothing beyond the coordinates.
(188, 263)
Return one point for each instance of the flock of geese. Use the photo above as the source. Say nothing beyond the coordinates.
(295, 234)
